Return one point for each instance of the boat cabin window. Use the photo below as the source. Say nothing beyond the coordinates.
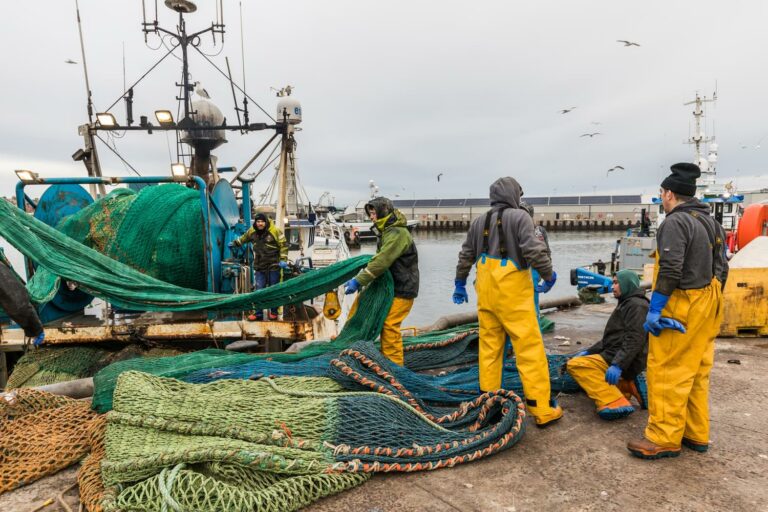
(293, 236)
(728, 207)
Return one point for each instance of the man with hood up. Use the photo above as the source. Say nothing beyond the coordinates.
(683, 319)
(395, 252)
(610, 369)
(270, 255)
(503, 247)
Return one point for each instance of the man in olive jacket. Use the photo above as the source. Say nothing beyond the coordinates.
(608, 370)
(395, 252)
(270, 254)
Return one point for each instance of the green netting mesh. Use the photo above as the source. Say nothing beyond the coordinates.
(278, 444)
(377, 298)
(51, 365)
(126, 287)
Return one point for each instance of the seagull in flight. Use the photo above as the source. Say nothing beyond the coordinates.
(627, 43)
(438, 177)
(70, 61)
(200, 91)
(590, 135)
(566, 110)
(614, 168)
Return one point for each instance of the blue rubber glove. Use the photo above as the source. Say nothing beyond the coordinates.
(546, 285)
(351, 287)
(460, 291)
(652, 325)
(671, 323)
(283, 265)
(612, 375)
(581, 354)
(38, 340)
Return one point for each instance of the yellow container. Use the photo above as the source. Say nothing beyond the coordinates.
(746, 303)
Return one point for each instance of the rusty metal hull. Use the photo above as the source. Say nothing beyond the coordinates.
(164, 327)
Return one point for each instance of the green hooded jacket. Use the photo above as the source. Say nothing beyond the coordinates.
(395, 252)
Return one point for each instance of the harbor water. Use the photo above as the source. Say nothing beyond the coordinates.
(438, 252)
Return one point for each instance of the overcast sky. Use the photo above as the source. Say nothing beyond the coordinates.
(400, 91)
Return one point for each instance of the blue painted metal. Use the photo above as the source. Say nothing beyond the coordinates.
(247, 213)
(586, 278)
(60, 201)
(224, 204)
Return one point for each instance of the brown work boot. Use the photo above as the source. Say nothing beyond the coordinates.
(636, 388)
(645, 449)
(696, 446)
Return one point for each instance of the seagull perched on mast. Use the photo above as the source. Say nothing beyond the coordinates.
(566, 110)
(590, 135)
(200, 91)
(614, 168)
(627, 43)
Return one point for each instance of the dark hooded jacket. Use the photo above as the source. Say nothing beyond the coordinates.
(269, 245)
(395, 250)
(14, 300)
(625, 342)
(523, 246)
(691, 247)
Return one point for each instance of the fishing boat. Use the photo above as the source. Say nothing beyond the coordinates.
(222, 209)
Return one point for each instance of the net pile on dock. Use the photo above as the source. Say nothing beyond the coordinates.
(50, 365)
(40, 434)
(430, 350)
(204, 447)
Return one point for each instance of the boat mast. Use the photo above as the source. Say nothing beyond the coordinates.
(699, 138)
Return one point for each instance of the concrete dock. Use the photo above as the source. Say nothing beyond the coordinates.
(581, 463)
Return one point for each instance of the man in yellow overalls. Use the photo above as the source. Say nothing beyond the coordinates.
(504, 248)
(690, 272)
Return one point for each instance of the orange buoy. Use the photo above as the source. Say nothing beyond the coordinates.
(753, 223)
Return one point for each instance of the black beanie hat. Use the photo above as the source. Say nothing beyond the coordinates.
(260, 216)
(683, 179)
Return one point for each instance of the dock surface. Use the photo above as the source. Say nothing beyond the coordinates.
(579, 464)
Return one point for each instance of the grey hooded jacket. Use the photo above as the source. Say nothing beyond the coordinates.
(523, 246)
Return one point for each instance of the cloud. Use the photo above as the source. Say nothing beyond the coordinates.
(400, 91)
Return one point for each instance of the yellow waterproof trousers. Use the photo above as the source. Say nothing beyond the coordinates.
(505, 307)
(679, 366)
(589, 372)
(391, 338)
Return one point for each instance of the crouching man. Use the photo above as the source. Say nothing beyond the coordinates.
(608, 370)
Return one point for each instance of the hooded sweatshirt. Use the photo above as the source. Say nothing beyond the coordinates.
(523, 246)
(691, 249)
(624, 341)
(395, 251)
